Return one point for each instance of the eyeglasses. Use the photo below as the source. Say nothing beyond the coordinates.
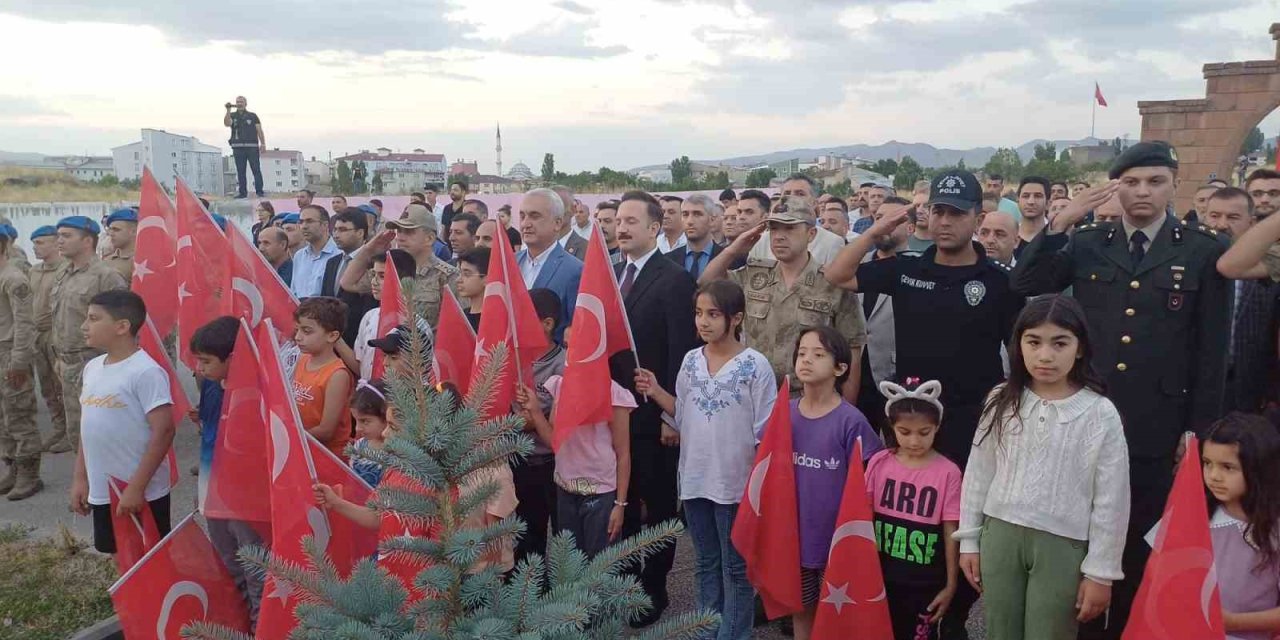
(1274, 193)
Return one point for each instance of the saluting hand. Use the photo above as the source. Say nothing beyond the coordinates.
(889, 221)
(741, 245)
(1081, 205)
(380, 243)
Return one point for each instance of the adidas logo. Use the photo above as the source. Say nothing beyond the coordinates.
(832, 464)
(802, 460)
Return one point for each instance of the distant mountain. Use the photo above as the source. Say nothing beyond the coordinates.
(12, 157)
(926, 154)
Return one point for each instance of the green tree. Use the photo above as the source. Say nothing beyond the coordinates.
(1004, 162)
(681, 170)
(717, 180)
(759, 178)
(548, 167)
(841, 189)
(885, 167)
(1047, 164)
(342, 183)
(909, 171)
(1253, 142)
(109, 180)
(442, 447)
(132, 184)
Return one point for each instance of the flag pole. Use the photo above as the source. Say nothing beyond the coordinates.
(1093, 117)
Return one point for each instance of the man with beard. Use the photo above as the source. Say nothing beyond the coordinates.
(607, 218)
(995, 189)
(457, 194)
(1158, 314)
(824, 246)
(953, 285)
(1263, 186)
(1033, 199)
(273, 244)
(878, 358)
(309, 261)
(304, 197)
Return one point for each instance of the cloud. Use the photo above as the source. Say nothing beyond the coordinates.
(563, 39)
(574, 7)
(23, 107)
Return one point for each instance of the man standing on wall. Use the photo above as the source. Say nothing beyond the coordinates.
(247, 142)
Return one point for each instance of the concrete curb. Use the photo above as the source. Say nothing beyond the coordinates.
(108, 629)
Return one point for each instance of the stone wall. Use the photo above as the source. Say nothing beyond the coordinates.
(1209, 131)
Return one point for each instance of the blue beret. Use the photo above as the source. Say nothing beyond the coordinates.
(291, 218)
(8, 230)
(221, 220)
(122, 215)
(1156, 153)
(368, 208)
(46, 230)
(83, 223)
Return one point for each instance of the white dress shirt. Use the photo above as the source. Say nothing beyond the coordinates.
(666, 246)
(530, 266)
(639, 263)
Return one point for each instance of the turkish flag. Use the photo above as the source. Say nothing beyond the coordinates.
(257, 290)
(392, 312)
(766, 530)
(853, 601)
(135, 533)
(204, 270)
(1178, 598)
(149, 341)
(1097, 95)
(185, 568)
(455, 344)
(600, 329)
(507, 316)
(236, 487)
(155, 274)
(295, 465)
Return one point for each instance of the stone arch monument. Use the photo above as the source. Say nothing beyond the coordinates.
(1208, 131)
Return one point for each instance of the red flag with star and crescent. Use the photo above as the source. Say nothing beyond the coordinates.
(204, 270)
(507, 316)
(257, 290)
(236, 485)
(852, 601)
(1097, 95)
(1179, 596)
(391, 312)
(179, 581)
(600, 329)
(135, 533)
(297, 461)
(149, 341)
(455, 344)
(766, 531)
(155, 274)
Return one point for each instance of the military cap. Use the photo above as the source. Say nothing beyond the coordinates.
(8, 230)
(83, 223)
(46, 230)
(122, 215)
(290, 218)
(1156, 153)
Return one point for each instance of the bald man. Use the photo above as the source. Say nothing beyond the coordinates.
(998, 234)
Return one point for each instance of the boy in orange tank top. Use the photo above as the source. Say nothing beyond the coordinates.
(321, 382)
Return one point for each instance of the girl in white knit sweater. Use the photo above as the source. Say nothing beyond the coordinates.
(1045, 499)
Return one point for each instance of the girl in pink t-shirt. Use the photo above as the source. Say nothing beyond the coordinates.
(915, 492)
(593, 467)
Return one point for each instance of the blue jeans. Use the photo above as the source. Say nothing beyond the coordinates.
(586, 517)
(721, 571)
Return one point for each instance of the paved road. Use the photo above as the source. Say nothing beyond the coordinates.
(47, 511)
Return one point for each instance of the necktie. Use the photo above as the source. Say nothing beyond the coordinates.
(695, 263)
(1137, 247)
(628, 280)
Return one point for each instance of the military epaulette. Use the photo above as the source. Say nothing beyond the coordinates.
(1095, 226)
(767, 263)
(1000, 265)
(445, 267)
(1219, 236)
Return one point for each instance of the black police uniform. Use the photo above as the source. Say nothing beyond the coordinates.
(951, 324)
(1159, 333)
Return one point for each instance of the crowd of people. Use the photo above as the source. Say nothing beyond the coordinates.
(1019, 442)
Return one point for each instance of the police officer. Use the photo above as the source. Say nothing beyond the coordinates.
(83, 277)
(40, 277)
(122, 229)
(788, 291)
(19, 438)
(1158, 314)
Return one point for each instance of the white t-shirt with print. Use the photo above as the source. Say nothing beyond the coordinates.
(368, 331)
(114, 402)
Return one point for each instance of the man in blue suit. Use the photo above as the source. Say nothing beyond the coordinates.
(544, 264)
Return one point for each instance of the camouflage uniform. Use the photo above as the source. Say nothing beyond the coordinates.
(775, 314)
(18, 258)
(428, 287)
(122, 262)
(72, 290)
(19, 438)
(41, 278)
(1272, 262)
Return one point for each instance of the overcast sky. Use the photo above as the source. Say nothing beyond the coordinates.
(605, 82)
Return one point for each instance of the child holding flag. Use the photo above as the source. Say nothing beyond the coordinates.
(1047, 484)
(724, 395)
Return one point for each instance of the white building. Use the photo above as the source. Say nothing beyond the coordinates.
(88, 168)
(282, 172)
(171, 156)
(418, 166)
(520, 172)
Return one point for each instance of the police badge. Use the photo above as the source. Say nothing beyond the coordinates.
(974, 292)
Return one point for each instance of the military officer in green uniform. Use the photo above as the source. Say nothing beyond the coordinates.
(1158, 313)
(789, 291)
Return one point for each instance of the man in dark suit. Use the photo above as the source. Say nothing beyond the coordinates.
(543, 263)
(658, 296)
(350, 231)
(697, 212)
(573, 244)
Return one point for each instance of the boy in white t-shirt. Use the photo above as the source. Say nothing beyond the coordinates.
(126, 420)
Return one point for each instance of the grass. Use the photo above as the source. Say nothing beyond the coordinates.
(21, 184)
(50, 588)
